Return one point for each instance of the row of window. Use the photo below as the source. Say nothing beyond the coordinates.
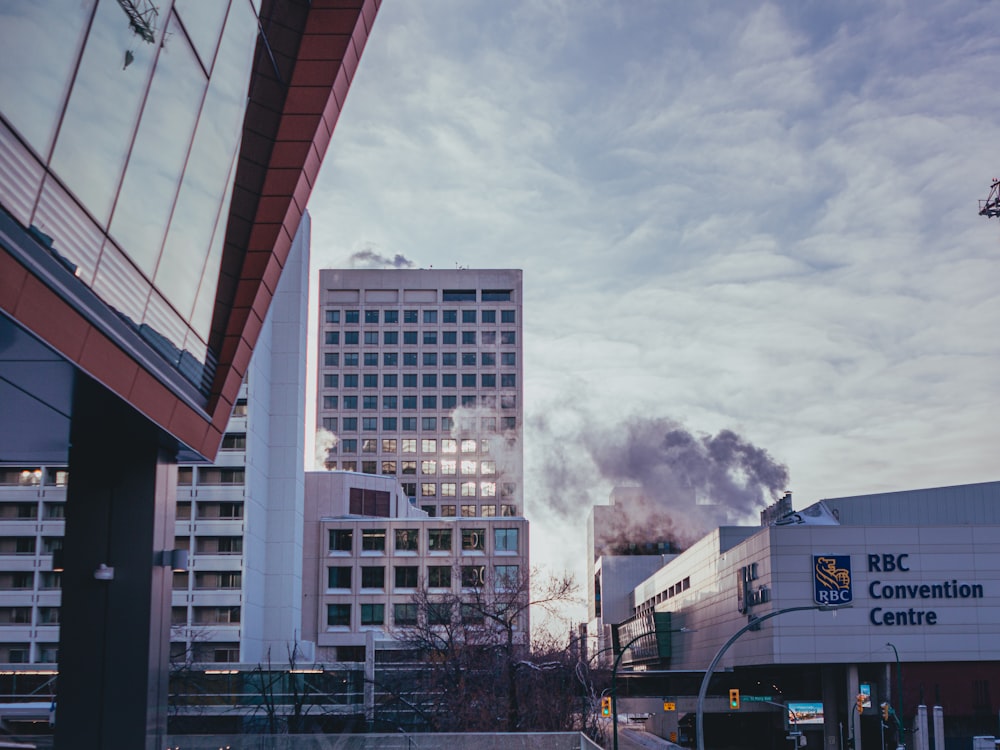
(391, 359)
(428, 338)
(55, 510)
(427, 380)
(430, 316)
(19, 580)
(390, 424)
(28, 545)
(471, 510)
(210, 475)
(33, 476)
(407, 577)
(437, 540)
(25, 616)
(427, 445)
(404, 614)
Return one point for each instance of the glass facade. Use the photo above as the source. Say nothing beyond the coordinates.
(126, 151)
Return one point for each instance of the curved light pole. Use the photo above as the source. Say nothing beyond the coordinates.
(754, 622)
(614, 674)
(899, 696)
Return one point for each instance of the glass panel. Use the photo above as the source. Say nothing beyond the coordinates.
(203, 192)
(100, 118)
(203, 20)
(39, 45)
(161, 148)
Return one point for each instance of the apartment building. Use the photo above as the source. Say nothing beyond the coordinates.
(420, 378)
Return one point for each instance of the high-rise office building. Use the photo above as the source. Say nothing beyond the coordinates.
(420, 377)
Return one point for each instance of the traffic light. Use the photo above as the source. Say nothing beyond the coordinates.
(861, 703)
(606, 706)
(734, 699)
(885, 712)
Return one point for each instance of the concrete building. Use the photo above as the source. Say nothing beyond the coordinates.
(921, 572)
(156, 163)
(420, 378)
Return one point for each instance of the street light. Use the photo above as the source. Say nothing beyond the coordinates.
(899, 695)
(614, 674)
(751, 625)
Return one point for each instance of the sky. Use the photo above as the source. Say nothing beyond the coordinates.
(738, 221)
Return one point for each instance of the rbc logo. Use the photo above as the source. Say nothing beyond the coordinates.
(832, 579)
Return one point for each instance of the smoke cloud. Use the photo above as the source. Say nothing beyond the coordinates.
(674, 485)
(371, 258)
(325, 441)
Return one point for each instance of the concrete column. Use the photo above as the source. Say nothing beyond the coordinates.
(114, 642)
(938, 718)
(853, 688)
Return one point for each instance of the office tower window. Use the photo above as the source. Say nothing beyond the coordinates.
(390, 359)
(349, 465)
(409, 338)
(428, 402)
(468, 316)
(496, 295)
(506, 509)
(410, 380)
(428, 445)
(409, 359)
(430, 380)
(449, 338)
(349, 445)
(409, 424)
(351, 316)
(406, 540)
(331, 338)
(390, 337)
(468, 467)
(449, 359)
(508, 423)
(351, 381)
(439, 613)
(428, 424)
(430, 316)
(448, 466)
(489, 316)
(390, 316)
(409, 445)
(472, 614)
(507, 577)
(449, 445)
(332, 316)
(508, 380)
(487, 511)
(409, 467)
(488, 424)
(449, 402)
(373, 540)
(390, 380)
(371, 316)
(449, 316)
(330, 402)
(507, 316)
(409, 489)
(449, 511)
(428, 489)
(430, 510)
(372, 614)
(469, 510)
(369, 402)
(449, 380)
(468, 359)
(487, 489)
(370, 359)
(488, 359)
(409, 316)
(350, 338)
(505, 540)
(404, 615)
(406, 576)
(338, 577)
(430, 359)
(448, 489)
(508, 401)
(388, 467)
(430, 338)
(409, 402)
(331, 359)
(371, 338)
(331, 381)
(469, 338)
(439, 540)
(341, 540)
(468, 489)
(369, 424)
(388, 445)
(473, 540)
(468, 445)
(439, 576)
(468, 380)
(508, 337)
(372, 577)
(488, 380)
(428, 466)
(338, 615)
(389, 424)
(350, 359)
(489, 338)
(350, 424)
(473, 576)
(508, 359)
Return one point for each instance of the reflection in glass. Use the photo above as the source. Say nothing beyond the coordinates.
(203, 21)
(39, 45)
(203, 192)
(158, 155)
(100, 118)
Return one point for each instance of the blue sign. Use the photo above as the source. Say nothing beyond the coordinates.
(832, 579)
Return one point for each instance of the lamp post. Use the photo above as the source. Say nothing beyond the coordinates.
(753, 623)
(899, 696)
(614, 675)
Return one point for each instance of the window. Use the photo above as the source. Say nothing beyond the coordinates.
(449, 338)
(428, 489)
(430, 316)
(508, 380)
(373, 540)
(508, 423)
(508, 359)
(330, 402)
(371, 316)
(372, 577)
(351, 338)
(331, 359)
(406, 540)
(404, 614)
(369, 402)
(351, 381)
(473, 576)
(349, 465)
(430, 510)
(449, 316)
(473, 540)
(506, 509)
(449, 511)
(409, 402)
(370, 359)
(338, 615)
(506, 316)
(468, 316)
(469, 337)
(341, 540)
(331, 338)
(350, 424)
(487, 489)
(505, 540)
(410, 380)
(488, 467)
(372, 614)
(390, 337)
(240, 408)
(409, 467)
(390, 359)
(331, 381)
(428, 424)
(488, 316)
(507, 577)
(488, 359)
(409, 359)
(489, 338)
(488, 424)
(351, 316)
(469, 380)
(409, 445)
(371, 338)
(487, 511)
(388, 467)
(468, 467)
(350, 359)
(430, 359)
(508, 401)
(369, 424)
(448, 380)
(390, 316)
(389, 424)
(448, 489)
(449, 402)
(332, 316)
(428, 466)
(406, 576)
(430, 380)
(409, 316)
(219, 475)
(388, 445)
(488, 380)
(439, 540)
(469, 511)
(468, 359)
(410, 338)
(338, 577)
(472, 614)
(439, 613)
(390, 402)
(508, 337)
(439, 576)
(430, 338)
(449, 466)
(349, 445)
(409, 424)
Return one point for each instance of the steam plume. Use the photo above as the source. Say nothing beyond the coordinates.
(325, 440)
(370, 258)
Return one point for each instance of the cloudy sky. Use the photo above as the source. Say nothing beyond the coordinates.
(730, 215)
